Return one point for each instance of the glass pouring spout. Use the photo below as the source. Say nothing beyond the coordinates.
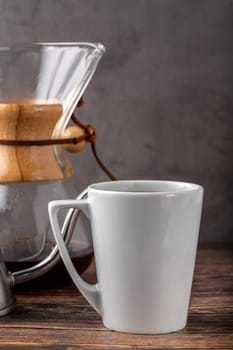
(40, 86)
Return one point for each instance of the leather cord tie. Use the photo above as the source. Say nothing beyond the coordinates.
(89, 136)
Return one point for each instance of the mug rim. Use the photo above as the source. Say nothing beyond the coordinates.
(180, 187)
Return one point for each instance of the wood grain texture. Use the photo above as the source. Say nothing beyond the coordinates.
(60, 318)
(30, 122)
(37, 122)
(8, 154)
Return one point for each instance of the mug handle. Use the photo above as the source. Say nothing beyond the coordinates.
(90, 291)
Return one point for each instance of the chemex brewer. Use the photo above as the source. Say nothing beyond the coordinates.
(40, 86)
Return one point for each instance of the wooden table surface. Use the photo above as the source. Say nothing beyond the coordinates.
(58, 317)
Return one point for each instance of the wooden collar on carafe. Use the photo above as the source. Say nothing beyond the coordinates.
(89, 135)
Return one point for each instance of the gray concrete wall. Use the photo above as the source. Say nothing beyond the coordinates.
(161, 99)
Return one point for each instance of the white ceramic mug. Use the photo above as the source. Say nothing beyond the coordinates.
(145, 237)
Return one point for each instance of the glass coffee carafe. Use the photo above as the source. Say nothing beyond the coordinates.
(40, 86)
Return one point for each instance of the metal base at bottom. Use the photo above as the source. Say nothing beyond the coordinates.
(8, 309)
